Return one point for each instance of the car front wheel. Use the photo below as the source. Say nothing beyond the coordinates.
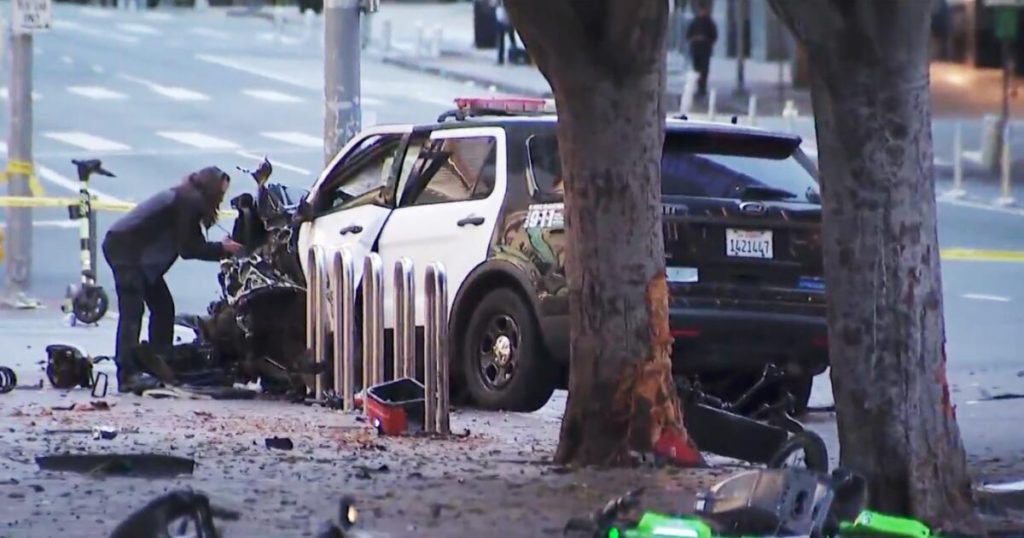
(503, 359)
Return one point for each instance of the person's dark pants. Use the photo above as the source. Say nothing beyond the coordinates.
(503, 31)
(701, 64)
(135, 293)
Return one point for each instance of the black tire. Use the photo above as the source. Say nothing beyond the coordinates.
(90, 304)
(814, 451)
(503, 333)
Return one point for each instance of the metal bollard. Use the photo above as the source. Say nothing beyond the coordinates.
(315, 326)
(1006, 196)
(435, 356)
(712, 98)
(373, 321)
(343, 277)
(385, 35)
(958, 162)
(405, 319)
(435, 42)
(752, 110)
(419, 38)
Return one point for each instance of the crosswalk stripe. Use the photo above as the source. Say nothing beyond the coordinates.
(5, 94)
(138, 28)
(208, 32)
(271, 95)
(292, 137)
(174, 92)
(96, 92)
(158, 16)
(198, 140)
(86, 141)
(3, 147)
(95, 32)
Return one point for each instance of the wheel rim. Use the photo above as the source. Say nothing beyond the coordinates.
(795, 460)
(497, 351)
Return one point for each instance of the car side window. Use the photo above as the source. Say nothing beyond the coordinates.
(545, 166)
(363, 177)
(453, 170)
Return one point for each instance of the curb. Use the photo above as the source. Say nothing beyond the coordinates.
(413, 64)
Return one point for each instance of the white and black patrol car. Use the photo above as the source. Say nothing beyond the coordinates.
(479, 191)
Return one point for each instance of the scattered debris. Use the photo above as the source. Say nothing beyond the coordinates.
(95, 405)
(279, 443)
(347, 515)
(134, 465)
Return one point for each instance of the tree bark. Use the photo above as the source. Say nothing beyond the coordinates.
(605, 61)
(870, 92)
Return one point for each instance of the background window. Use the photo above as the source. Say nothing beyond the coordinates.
(453, 169)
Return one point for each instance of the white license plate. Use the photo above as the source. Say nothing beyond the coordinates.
(748, 243)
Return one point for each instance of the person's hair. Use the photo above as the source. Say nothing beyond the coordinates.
(207, 182)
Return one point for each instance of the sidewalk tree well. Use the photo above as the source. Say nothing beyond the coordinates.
(872, 109)
(605, 62)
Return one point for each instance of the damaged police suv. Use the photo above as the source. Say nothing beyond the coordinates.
(480, 192)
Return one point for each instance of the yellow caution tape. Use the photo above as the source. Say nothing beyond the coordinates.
(980, 255)
(23, 168)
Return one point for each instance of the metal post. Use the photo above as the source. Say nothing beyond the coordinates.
(419, 38)
(373, 321)
(321, 315)
(436, 350)
(712, 98)
(342, 118)
(789, 113)
(1006, 196)
(92, 241)
(343, 277)
(741, 45)
(752, 110)
(435, 42)
(958, 162)
(385, 35)
(405, 319)
(19, 148)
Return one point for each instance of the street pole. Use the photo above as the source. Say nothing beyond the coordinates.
(741, 45)
(19, 148)
(342, 110)
(1006, 31)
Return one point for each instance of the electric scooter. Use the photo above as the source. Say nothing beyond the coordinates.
(86, 302)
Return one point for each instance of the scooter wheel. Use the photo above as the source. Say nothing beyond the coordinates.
(802, 450)
(90, 304)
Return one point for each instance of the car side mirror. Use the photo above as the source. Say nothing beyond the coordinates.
(304, 213)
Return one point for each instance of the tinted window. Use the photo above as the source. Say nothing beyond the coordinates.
(362, 177)
(451, 170)
(710, 166)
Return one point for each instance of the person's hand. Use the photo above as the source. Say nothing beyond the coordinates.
(230, 246)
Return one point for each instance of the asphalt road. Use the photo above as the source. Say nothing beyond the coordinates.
(159, 94)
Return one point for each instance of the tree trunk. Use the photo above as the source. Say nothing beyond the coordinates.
(870, 90)
(606, 65)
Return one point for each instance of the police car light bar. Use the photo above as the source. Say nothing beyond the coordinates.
(504, 105)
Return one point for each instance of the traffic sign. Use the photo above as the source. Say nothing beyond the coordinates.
(30, 16)
(1006, 23)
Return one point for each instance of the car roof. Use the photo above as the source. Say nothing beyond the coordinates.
(672, 125)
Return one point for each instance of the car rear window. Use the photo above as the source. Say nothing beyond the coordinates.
(709, 165)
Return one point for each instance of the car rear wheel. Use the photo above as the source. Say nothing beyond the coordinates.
(503, 360)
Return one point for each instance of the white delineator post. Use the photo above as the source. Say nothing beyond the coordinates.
(1006, 194)
(958, 163)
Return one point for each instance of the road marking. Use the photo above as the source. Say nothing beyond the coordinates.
(273, 96)
(198, 140)
(86, 141)
(293, 137)
(246, 68)
(136, 28)
(174, 92)
(978, 255)
(5, 94)
(67, 223)
(97, 69)
(983, 297)
(209, 32)
(371, 101)
(1005, 487)
(158, 16)
(275, 164)
(88, 30)
(3, 147)
(96, 92)
(51, 176)
(97, 13)
(67, 59)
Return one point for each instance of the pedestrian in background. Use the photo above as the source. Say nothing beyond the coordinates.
(701, 36)
(504, 29)
(141, 247)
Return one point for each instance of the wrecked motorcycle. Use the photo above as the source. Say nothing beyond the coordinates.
(256, 330)
(768, 434)
(774, 502)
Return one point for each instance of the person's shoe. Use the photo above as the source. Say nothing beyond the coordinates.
(147, 360)
(137, 383)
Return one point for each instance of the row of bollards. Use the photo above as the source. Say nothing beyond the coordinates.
(992, 152)
(330, 308)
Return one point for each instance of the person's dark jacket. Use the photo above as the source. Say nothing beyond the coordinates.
(158, 230)
(705, 30)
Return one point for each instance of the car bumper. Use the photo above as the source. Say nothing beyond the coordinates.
(741, 340)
